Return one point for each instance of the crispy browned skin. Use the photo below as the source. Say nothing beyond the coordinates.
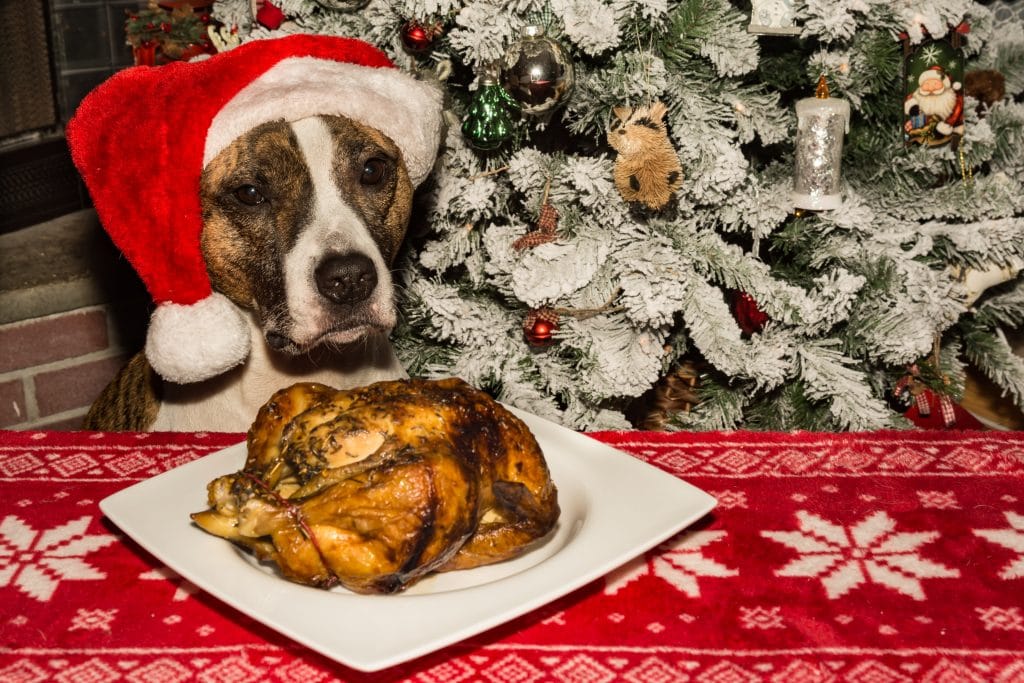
(373, 488)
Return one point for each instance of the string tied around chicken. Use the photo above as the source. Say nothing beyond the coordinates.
(295, 514)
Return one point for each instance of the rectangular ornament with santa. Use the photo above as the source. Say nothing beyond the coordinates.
(933, 103)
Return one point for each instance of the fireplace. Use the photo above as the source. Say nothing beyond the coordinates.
(54, 52)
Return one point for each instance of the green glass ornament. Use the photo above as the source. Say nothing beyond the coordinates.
(489, 123)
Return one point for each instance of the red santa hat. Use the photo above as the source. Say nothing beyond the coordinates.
(936, 73)
(142, 138)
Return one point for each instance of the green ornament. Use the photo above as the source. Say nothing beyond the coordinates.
(489, 123)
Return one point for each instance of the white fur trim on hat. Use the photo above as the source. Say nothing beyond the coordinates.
(407, 110)
(190, 343)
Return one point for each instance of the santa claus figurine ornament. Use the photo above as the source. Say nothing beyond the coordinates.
(933, 104)
(142, 139)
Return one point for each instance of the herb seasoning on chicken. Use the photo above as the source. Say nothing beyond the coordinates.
(373, 488)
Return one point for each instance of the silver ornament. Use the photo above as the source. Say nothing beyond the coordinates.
(538, 73)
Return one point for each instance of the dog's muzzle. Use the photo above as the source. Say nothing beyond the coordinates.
(346, 285)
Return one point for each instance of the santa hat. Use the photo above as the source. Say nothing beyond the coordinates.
(142, 138)
(936, 73)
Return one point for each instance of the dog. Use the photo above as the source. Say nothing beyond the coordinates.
(301, 224)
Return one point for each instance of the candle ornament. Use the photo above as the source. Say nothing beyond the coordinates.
(773, 17)
(822, 121)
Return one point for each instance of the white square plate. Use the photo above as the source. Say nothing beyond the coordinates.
(614, 507)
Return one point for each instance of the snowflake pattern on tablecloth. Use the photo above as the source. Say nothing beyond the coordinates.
(36, 562)
(730, 498)
(93, 620)
(182, 588)
(746, 624)
(679, 562)
(870, 550)
(1012, 538)
(938, 500)
(761, 618)
(997, 618)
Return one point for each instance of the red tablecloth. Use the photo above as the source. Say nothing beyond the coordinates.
(866, 558)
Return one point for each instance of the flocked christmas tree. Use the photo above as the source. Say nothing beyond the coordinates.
(672, 200)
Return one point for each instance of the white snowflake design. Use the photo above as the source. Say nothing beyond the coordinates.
(870, 550)
(182, 589)
(1001, 618)
(37, 561)
(761, 617)
(679, 562)
(1012, 538)
(930, 54)
(93, 620)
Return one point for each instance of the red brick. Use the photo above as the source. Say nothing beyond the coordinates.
(76, 386)
(25, 345)
(12, 403)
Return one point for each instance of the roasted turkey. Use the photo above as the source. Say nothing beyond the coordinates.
(372, 488)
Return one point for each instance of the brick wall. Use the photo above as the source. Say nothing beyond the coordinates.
(51, 368)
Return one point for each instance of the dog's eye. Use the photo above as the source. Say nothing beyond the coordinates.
(249, 195)
(373, 171)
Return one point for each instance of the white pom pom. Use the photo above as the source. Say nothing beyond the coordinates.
(190, 343)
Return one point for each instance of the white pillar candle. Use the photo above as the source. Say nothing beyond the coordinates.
(822, 122)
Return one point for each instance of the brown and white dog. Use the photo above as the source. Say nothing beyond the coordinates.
(301, 223)
(262, 196)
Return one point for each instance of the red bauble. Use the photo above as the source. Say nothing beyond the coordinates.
(540, 333)
(270, 16)
(539, 327)
(418, 38)
(748, 314)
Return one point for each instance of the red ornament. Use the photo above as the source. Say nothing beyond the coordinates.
(270, 16)
(144, 53)
(418, 38)
(165, 27)
(541, 332)
(539, 327)
(748, 314)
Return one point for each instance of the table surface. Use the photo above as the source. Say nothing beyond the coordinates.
(890, 556)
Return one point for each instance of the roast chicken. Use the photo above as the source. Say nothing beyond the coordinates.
(373, 488)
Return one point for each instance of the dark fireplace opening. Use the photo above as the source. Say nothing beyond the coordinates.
(53, 54)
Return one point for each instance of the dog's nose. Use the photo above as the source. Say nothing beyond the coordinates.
(346, 278)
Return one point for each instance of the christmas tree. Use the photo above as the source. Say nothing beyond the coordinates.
(657, 189)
